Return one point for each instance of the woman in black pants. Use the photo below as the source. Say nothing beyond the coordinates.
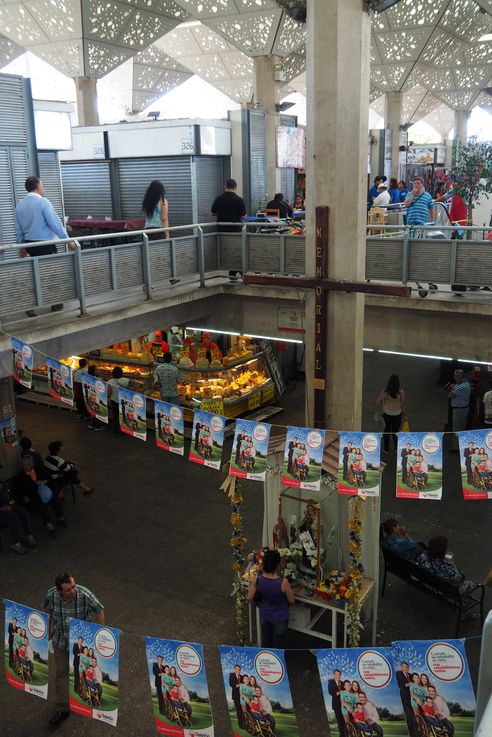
(392, 401)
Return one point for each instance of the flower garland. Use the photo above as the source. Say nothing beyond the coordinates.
(356, 570)
(236, 542)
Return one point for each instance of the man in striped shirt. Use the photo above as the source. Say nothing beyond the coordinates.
(419, 204)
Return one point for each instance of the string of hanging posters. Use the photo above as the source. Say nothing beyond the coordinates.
(419, 472)
(381, 691)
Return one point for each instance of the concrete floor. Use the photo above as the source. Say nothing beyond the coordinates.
(152, 543)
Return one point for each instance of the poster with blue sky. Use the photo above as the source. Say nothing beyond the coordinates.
(178, 684)
(249, 450)
(26, 649)
(303, 457)
(359, 464)
(94, 671)
(133, 413)
(169, 427)
(95, 396)
(476, 463)
(207, 439)
(441, 690)
(257, 690)
(359, 688)
(59, 380)
(22, 362)
(419, 465)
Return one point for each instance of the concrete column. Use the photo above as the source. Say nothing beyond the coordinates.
(266, 94)
(338, 61)
(461, 125)
(392, 119)
(86, 90)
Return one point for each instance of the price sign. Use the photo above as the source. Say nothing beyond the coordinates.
(254, 400)
(268, 393)
(216, 407)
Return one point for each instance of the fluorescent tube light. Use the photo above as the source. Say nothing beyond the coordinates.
(416, 355)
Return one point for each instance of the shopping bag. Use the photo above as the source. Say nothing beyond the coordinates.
(44, 493)
(405, 425)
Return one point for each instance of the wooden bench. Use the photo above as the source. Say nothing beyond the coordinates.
(435, 586)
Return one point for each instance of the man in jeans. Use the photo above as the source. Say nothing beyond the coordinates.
(66, 600)
(166, 378)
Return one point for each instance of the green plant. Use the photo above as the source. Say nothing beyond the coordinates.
(473, 171)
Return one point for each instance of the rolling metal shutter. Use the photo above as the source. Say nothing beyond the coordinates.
(49, 172)
(174, 172)
(288, 184)
(14, 115)
(209, 183)
(7, 200)
(86, 189)
(257, 148)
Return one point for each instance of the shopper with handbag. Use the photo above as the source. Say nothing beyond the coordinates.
(272, 593)
(392, 401)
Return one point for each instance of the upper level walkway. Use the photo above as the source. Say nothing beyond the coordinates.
(134, 284)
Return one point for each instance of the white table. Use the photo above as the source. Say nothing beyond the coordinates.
(319, 607)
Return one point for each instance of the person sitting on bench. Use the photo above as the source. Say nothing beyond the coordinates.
(397, 538)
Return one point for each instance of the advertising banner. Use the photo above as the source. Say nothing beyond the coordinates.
(178, 684)
(249, 450)
(169, 427)
(476, 463)
(22, 360)
(95, 396)
(303, 456)
(59, 381)
(419, 465)
(94, 667)
(133, 413)
(207, 439)
(360, 689)
(358, 464)
(8, 430)
(258, 692)
(26, 649)
(435, 687)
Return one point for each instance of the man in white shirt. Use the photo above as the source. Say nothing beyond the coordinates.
(442, 710)
(383, 198)
(265, 706)
(370, 713)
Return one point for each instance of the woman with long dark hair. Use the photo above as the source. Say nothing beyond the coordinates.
(273, 596)
(155, 207)
(392, 401)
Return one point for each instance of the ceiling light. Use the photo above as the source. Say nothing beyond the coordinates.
(416, 355)
(486, 37)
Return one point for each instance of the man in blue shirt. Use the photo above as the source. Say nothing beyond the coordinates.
(36, 220)
(419, 204)
(396, 537)
(373, 192)
(403, 190)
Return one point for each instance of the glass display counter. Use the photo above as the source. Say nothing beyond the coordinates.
(138, 367)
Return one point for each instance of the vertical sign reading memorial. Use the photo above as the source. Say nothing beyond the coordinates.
(320, 316)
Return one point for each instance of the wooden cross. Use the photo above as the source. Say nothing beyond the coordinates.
(322, 284)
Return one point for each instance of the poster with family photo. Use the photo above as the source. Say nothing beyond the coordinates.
(359, 463)
(178, 684)
(59, 381)
(476, 463)
(26, 649)
(207, 439)
(95, 393)
(8, 432)
(169, 427)
(249, 450)
(419, 465)
(22, 362)
(435, 687)
(258, 692)
(93, 653)
(303, 457)
(360, 691)
(133, 413)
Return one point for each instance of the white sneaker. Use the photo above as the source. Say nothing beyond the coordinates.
(31, 541)
(18, 548)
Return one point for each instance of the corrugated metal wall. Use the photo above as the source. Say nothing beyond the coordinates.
(257, 149)
(17, 152)
(288, 183)
(210, 180)
(174, 172)
(49, 172)
(86, 189)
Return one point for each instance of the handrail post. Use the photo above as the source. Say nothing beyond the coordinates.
(244, 249)
(201, 255)
(79, 277)
(146, 265)
(405, 256)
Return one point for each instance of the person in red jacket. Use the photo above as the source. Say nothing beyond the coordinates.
(209, 345)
